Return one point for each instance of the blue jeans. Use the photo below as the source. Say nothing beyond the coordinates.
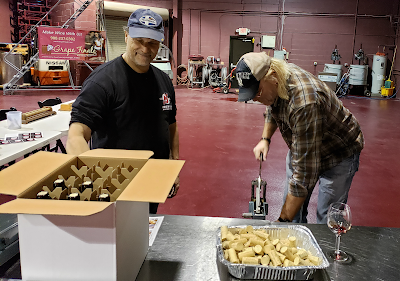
(334, 186)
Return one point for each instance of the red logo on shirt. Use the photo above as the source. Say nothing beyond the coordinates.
(165, 99)
(166, 102)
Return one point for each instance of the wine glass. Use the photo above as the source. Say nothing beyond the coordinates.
(339, 222)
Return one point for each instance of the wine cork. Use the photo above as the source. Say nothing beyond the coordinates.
(265, 260)
(275, 242)
(237, 246)
(248, 249)
(292, 241)
(268, 248)
(288, 253)
(248, 253)
(229, 236)
(261, 234)
(315, 260)
(302, 253)
(256, 241)
(226, 245)
(249, 229)
(226, 255)
(282, 257)
(306, 262)
(274, 257)
(250, 260)
(258, 249)
(248, 235)
(224, 232)
(240, 240)
(233, 258)
(287, 263)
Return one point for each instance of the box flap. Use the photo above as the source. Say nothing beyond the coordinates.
(118, 153)
(153, 182)
(18, 177)
(53, 207)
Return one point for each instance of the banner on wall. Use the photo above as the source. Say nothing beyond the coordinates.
(71, 44)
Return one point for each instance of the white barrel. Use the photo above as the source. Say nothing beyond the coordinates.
(358, 75)
(378, 73)
(334, 68)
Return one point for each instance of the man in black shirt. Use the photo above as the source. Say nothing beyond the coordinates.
(127, 103)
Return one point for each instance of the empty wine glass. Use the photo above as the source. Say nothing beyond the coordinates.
(339, 222)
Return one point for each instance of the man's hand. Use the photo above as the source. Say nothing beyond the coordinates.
(175, 187)
(261, 147)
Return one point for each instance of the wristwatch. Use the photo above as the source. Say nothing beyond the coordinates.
(267, 139)
(283, 220)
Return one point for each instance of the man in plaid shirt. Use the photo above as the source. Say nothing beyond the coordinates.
(324, 138)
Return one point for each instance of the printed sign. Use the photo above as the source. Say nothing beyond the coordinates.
(71, 44)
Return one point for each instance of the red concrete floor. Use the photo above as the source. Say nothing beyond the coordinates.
(217, 135)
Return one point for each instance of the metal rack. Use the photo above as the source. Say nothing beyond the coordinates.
(197, 73)
(27, 13)
(9, 87)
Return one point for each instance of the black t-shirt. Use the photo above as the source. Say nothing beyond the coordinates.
(127, 110)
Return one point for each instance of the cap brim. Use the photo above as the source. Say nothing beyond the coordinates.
(248, 93)
(137, 32)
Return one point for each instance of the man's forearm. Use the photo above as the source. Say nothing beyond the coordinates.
(269, 130)
(76, 145)
(78, 137)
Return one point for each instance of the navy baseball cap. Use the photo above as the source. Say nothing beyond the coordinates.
(144, 23)
(250, 69)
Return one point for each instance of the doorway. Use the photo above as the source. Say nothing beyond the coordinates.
(238, 46)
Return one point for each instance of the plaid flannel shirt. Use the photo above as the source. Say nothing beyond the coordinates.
(319, 131)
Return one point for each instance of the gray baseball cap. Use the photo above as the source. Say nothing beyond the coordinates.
(250, 69)
(144, 23)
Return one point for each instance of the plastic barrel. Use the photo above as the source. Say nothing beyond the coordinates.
(358, 75)
(378, 73)
(334, 68)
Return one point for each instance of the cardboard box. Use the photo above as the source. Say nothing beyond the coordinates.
(85, 240)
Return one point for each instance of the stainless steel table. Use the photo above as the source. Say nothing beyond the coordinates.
(185, 250)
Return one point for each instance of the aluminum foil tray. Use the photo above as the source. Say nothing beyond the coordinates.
(305, 239)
